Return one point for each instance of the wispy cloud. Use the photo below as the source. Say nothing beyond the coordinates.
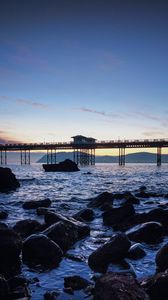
(31, 103)
(22, 101)
(147, 116)
(97, 112)
(4, 98)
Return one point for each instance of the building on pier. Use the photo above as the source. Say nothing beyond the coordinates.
(84, 150)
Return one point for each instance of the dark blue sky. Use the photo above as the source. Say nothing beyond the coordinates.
(97, 68)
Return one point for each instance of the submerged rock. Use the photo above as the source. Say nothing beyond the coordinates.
(118, 287)
(136, 251)
(3, 214)
(85, 214)
(40, 250)
(33, 204)
(8, 180)
(112, 251)
(76, 282)
(27, 227)
(149, 232)
(10, 249)
(162, 258)
(101, 199)
(117, 215)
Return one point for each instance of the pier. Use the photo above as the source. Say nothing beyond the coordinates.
(83, 148)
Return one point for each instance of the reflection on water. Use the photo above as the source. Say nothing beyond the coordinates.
(69, 193)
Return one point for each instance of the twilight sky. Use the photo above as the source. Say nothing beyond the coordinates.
(92, 67)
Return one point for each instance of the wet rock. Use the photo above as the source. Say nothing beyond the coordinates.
(40, 250)
(51, 295)
(121, 267)
(143, 188)
(3, 214)
(4, 288)
(82, 228)
(154, 215)
(142, 194)
(37, 203)
(149, 232)
(112, 251)
(18, 288)
(101, 199)
(162, 258)
(74, 257)
(76, 282)
(130, 199)
(119, 287)
(136, 251)
(8, 180)
(117, 215)
(106, 207)
(3, 225)
(62, 233)
(41, 211)
(85, 214)
(64, 166)
(52, 217)
(157, 286)
(27, 227)
(10, 249)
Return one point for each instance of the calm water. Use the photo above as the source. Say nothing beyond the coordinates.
(69, 193)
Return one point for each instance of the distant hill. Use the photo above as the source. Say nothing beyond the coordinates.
(139, 157)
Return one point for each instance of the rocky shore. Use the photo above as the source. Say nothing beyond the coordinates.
(43, 245)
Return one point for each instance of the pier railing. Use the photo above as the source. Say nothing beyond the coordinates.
(84, 153)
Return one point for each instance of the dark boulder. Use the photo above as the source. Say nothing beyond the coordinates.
(4, 289)
(136, 251)
(18, 288)
(51, 295)
(118, 287)
(149, 232)
(8, 180)
(162, 258)
(156, 286)
(82, 228)
(128, 197)
(3, 214)
(112, 251)
(33, 204)
(76, 282)
(40, 250)
(85, 214)
(3, 225)
(142, 194)
(10, 249)
(64, 166)
(63, 234)
(101, 199)
(27, 227)
(117, 215)
(41, 211)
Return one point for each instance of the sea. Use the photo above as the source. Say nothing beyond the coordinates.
(69, 193)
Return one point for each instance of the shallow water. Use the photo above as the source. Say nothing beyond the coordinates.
(69, 193)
